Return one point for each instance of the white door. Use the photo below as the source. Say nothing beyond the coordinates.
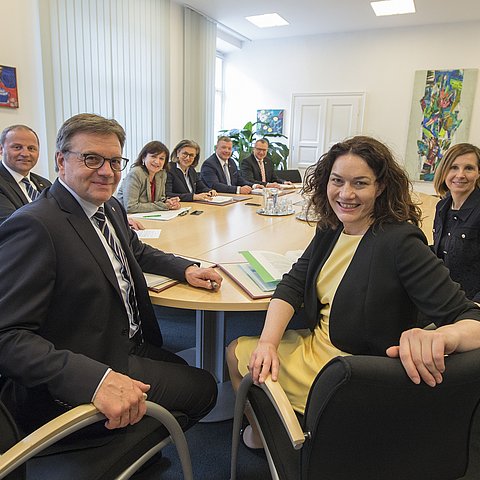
(319, 121)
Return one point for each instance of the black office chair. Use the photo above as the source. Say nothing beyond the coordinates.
(134, 446)
(366, 420)
(290, 175)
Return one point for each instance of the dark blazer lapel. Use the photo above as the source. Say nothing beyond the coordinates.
(256, 167)
(179, 174)
(38, 181)
(193, 179)
(114, 214)
(84, 228)
(17, 196)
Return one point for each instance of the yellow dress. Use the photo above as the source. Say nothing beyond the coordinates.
(303, 353)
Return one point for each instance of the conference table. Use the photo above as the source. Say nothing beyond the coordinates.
(216, 236)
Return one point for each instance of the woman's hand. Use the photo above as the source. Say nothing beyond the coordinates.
(173, 203)
(422, 352)
(264, 360)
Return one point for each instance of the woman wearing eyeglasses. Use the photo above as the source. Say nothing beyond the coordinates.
(182, 180)
(143, 189)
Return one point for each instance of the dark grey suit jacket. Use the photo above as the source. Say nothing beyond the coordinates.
(251, 171)
(11, 195)
(63, 317)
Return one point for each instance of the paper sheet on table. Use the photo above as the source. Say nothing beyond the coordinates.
(161, 214)
(148, 233)
(220, 199)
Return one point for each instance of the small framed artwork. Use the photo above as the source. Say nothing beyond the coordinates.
(8, 87)
(272, 121)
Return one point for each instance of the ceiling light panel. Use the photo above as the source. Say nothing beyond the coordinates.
(393, 7)
(267, 20)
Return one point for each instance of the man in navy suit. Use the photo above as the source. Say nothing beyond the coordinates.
(19, 146)
(77, 324)
(220, 172)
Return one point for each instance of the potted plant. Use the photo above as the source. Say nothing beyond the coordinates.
(242, 143)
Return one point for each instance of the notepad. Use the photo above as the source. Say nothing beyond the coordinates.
(162, 214)
(158, 283)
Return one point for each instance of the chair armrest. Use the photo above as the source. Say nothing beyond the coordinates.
(48, 434)
(285, 411)
(82, 416)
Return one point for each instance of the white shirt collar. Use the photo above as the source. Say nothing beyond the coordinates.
(17, 176)
(88, 207)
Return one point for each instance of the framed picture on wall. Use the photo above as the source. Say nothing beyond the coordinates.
(8, 87)
(442, 104)
(272, 121)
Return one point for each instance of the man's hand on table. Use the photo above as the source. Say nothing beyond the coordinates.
(206, 278)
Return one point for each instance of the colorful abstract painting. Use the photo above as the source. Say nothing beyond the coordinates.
(441, 112)
(8, 87)
(272, 121)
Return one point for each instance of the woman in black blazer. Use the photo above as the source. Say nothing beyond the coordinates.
(182, 179)
(456, 227)
(360, 283)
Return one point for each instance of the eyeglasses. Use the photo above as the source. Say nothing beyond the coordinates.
(95, 161)
(188, 155)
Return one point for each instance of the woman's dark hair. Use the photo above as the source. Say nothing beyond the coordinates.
(446, 163)
(183, 144)
(154, 148)
(394, 204)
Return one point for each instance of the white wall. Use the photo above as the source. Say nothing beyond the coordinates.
(20, 48)
(382, 63)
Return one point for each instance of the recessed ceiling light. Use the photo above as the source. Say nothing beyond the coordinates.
(267, 20)
(393, 7)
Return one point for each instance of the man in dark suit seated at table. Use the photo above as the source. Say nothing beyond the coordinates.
(19, 147)
(77, 324)
(258, 168)
(220, 172)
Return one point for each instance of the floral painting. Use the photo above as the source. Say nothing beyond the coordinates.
(441, 111)
(272, 121)
(8, 87)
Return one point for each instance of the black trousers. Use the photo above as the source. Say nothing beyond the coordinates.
(173, 383)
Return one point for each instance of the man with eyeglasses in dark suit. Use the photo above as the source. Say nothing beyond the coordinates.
(77, 324)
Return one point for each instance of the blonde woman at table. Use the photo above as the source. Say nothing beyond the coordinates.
(182, 179)
(143, 189)
(361, 283)
(456, 227)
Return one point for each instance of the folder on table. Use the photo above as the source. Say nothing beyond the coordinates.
(238, 273)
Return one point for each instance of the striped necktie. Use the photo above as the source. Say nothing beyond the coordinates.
(227, 173)
(132, 307)
(32, 192)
